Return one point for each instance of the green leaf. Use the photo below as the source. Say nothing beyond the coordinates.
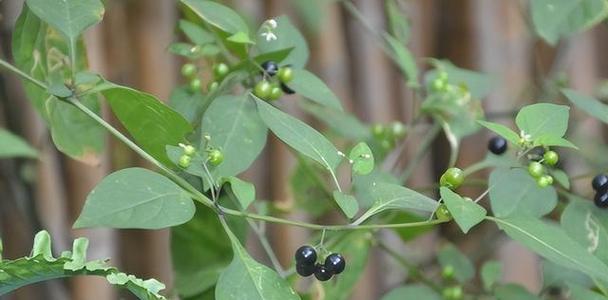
(312, 87)
(398, 21)
(307, 188)
(557, 275)
(136, 198)
(339, 121)
(70, 17)
(543, 119)
(392, 196)
(195, 33)
(590, 105)
(299, 136)
(491, 272)
(513, 292)
(515, 192)
(218, 15)
(501, 130)
(347, 203)
(552, 243)
(551, 140)
(588, 225)
(463, 268)
(79, 255)
(14, 146)
(405, 60)
(152, 124)
(466, 213)
(362, 159)
(240, 38)
(412, 291)
(355, 247)
(243, 191)
(561, 177)
(186, 103)
(580, 292)
(236, 129)
(288, 36)
(479, 84)
(554, 19)
(364, 186)
(245, 278)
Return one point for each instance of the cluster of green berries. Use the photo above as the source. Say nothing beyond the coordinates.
(214, 156)
(600, 185)
(190, 71)
(538, 171)
(440, 83)
(452, 178)
(389, 135)
(306, 264)
(454, 292)
(272, 90)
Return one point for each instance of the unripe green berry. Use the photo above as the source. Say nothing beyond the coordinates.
(443, 76)
(398, 130)
(212, 86)
(452, 178)
(184, 161)
(275, 93)
(188, 70)
(216, 157)
(220, 70)
(285, 74)
(550, 158)
(442, 213)
(448, 272)
(439, 85)
(549, 179)
(195, 85)
(452, 293)
(536, 169)
(378, 131)
(262, 89)
(543, 181)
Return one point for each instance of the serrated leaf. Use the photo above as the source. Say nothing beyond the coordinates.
(362, 159)
(466, 213)
(552, 243)
(463, 267)
(218, 15)
(412, 291)
(71, 17)
(543, 119)
(392, 196)
(299, 136)
(588, 104)
(514, 192)
(501, 130)
(310, 86)
(288, 36)
(491, 272)
(136, 198)
(243, 191)
(347, 203)
(14, 146)
(236, 129)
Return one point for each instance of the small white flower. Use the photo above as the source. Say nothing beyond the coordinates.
(272, 23)
(525, 136)
(269, 36)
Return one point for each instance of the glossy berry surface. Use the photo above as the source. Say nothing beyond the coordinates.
(285, 74)
(443, 213)
(184, 161)
(335, 263)
(188, 70)
(305, 270)
(286, 89)
(220, 70)
(543, 181)
(452, 178)
(601, 199)
(536, 169)
(212, 86)
(550, 158)
(275, 93)
(497, 145)
(321, 273)
(195, 84)
(306, 255)
(216, 157)
(270, 67)
(600, 182)
(262, 89)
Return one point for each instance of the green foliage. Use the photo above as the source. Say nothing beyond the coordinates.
(136, 198)
(355, 247)
(512, 292)
(463, 268)
(347, 203)
(588, 104)
(243, 191)
(312, 87)
(413, 291)
(491, 272)
(288, 37)
(513, 192)
(218, 15)
(362, 159)
(42, 266)
(588, 225)
(466, 213)
(13, 146)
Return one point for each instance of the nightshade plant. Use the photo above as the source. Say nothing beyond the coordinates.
(212, 131)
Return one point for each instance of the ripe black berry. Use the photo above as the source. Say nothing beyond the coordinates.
(270, 67)
(306, 255)
(335, 263)
(600, 182)
(305, 270)
(497, 145)
(601, 199)
(286, 89)
(322, 273)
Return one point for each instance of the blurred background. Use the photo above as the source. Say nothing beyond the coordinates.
(130, 47)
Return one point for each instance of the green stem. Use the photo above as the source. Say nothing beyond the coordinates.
(422, 151)
(267, 248)
(22, 74)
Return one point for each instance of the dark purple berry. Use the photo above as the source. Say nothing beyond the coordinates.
(305, 270)
(270, 67)
(497, 145)
(306, 255)
(600, 182)
(601, 199)
(287, 90)
(335, 263)
(321, 273)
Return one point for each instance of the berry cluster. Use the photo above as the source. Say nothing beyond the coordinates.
(497, 145)
(190, 71)
(214, 156)
(539, 172)
(273, 89)
(306, 264)
(389, 135)
(600, 185)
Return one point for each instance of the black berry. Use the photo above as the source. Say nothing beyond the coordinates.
(286, 89)
(305, 270)
(335, 263)
(306, 255)
(322, 273)
(601, 199)
(497, 145)
(600, 182)
(270, 67)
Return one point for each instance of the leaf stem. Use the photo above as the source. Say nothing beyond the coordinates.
(22, 74)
